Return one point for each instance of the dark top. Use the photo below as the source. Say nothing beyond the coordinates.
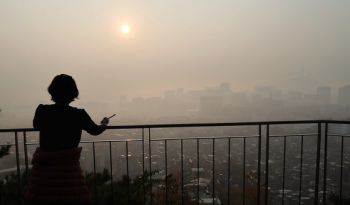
(60, 126)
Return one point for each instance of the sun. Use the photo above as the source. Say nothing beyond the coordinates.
(125, 29)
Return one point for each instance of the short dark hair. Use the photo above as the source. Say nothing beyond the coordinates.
(63, 89)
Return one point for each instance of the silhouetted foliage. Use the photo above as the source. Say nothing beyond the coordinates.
(137, 190)
(334, 198)
(251, 189)
(137, 193)
(4, 150)
(9, 189)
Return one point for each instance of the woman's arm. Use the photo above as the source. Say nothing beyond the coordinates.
(91, 127)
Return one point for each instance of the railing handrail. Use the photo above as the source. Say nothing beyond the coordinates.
(267, 135)
(203, 124)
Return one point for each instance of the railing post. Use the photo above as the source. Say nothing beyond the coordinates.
(166, 173)
(182, 172)
(267, 163)
(127, 169)
(229, 170)
(150, 161)
(301, 165)
(198, 171)
(318, 163)
(259, 164)
(18, 169)
(143, 166)
(26, 154)
(110, 158)
(93, 148)
(213, 170)
(341, 169)
(284, 166)
(244, 170)
(325, 164)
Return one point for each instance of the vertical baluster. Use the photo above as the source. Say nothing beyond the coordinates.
(318, 162)
(259, 162)
(182, 172)
(325, 164)
(341, 169)
(127, 169)
(166, 174)
(110, 162)
(198, 171)
(267, 163)
(244, 171)
(229, 170)
(150, 162)
(93, 149)
(301, 165)
(213, 170)
(18, 169)
(143, 166)
(26, 154)
(284, 166)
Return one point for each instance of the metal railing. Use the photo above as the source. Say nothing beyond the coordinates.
(322, 132)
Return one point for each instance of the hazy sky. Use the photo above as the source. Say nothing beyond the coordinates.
(171, 44)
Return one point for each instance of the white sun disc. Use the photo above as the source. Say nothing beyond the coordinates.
(125, 29)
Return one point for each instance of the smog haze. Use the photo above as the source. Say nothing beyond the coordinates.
(169, 45)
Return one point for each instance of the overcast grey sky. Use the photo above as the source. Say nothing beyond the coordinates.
(171, 44)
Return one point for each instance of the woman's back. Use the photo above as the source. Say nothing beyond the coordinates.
(60, 126)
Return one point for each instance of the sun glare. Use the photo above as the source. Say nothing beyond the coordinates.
(125, 29)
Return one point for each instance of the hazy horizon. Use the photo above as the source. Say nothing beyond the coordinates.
(170, 45)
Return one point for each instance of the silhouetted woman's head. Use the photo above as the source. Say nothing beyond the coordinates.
(63, 89)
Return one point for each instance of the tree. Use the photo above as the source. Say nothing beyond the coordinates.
(9, 190)
(251, 189)
(124, 190)
(4, 150)
(170, 185)
(334, 198)
(137, 190)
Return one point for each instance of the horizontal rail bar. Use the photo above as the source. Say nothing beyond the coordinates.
(128, 140)
(295, 135)
(203, 125)
(203, 138)
(338, 135)
(190, 138)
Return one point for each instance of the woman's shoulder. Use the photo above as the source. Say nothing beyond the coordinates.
(79, 110)
(40, 107)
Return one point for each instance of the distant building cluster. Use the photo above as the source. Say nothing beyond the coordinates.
(263, 103)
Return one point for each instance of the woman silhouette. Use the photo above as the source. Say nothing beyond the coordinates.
(56, 176)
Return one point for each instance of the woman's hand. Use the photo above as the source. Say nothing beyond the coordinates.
(105, 121)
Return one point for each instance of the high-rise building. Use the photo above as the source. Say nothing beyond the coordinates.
(311, 98)
(324, 95)
(211, 105)
(344, 95)
(138, 100)
(225, 87)
(169, 95)
(295, 96)
(239, 99)
(180, 92)
(256, 99)
(276, 94)
(264, 91)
